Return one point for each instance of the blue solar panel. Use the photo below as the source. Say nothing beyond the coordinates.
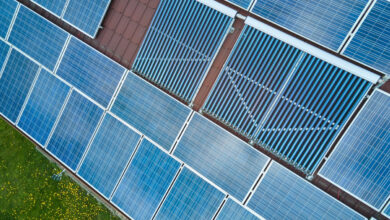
(150, 110)
(221, 157)
(7, 10)
(15, 83)
(145, 182)
(191, 197)
(251, 79)
(54, 6)
(386, 212)
(326, 22)
(232, 210)
(108, 155)
(360, 162)
(242, 3)
(180, 46)
(310, 112)
(4, 49)
(282, 194)
(43, 106)
(74, 130)
(37, 37)
(370, 45)
(90, 71)
(86, 15)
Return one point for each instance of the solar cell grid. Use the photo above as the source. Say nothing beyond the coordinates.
(180, 45)
(54, 6)
(282, 194)
(146, 181)
(386, 211)
(232, 210)
(108, 155)
(15, 83)
(7, 10)
(86, 15)
(74, 130)
(149, 110)
(37, 37)
(370, 44)
(43, 106)
(326, 22)
(360, 162)
(90, 71)
(191, 197)
(4, 50)
(221, 157)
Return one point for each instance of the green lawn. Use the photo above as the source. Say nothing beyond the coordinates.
(27, 190)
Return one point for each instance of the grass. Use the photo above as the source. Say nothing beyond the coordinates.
(27, 190)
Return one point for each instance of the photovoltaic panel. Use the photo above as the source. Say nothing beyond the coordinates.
(7, 10)
(232, 210)
(245, 4)
(360, 162)
(282, 194)
(90, 71)
(370, 44)
(86, 15)
(310, 112)
(251, 79)
(108, 155)
(4, 49)
(386, 212)
(43, 106)
(149, 110)
(145, 182)
(221, 157)
(74, 130)
(326, 22)
(37, 37)
(54, 6)
(15, 83)
(180, 46)
(191, 197)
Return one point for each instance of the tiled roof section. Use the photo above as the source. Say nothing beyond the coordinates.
(124, 28)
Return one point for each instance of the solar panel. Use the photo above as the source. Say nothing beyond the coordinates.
(108, 155)
(245, 4)
(191, 197)
(180, 46)
(149, 110)
(221, 157)
(56, 7)
(251, 79)
(74, 130)
(86, 15)
(310, 112)
(360, 162)
(90, 71)
(370, 44)
(15, 84)
(282, 194)
(37, 37)
(232, 210)
(4, 49)
(326, 22)
(43, 106)
(145, 182)
(7, 10)
(386, 211)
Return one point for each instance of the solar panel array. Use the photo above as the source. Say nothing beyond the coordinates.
(360, 162)
(180, 46)
(85, 15)
(7, 9)
(326, 22)
(151, 156)
(282, 194)
(288, 101)
(370, 44)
